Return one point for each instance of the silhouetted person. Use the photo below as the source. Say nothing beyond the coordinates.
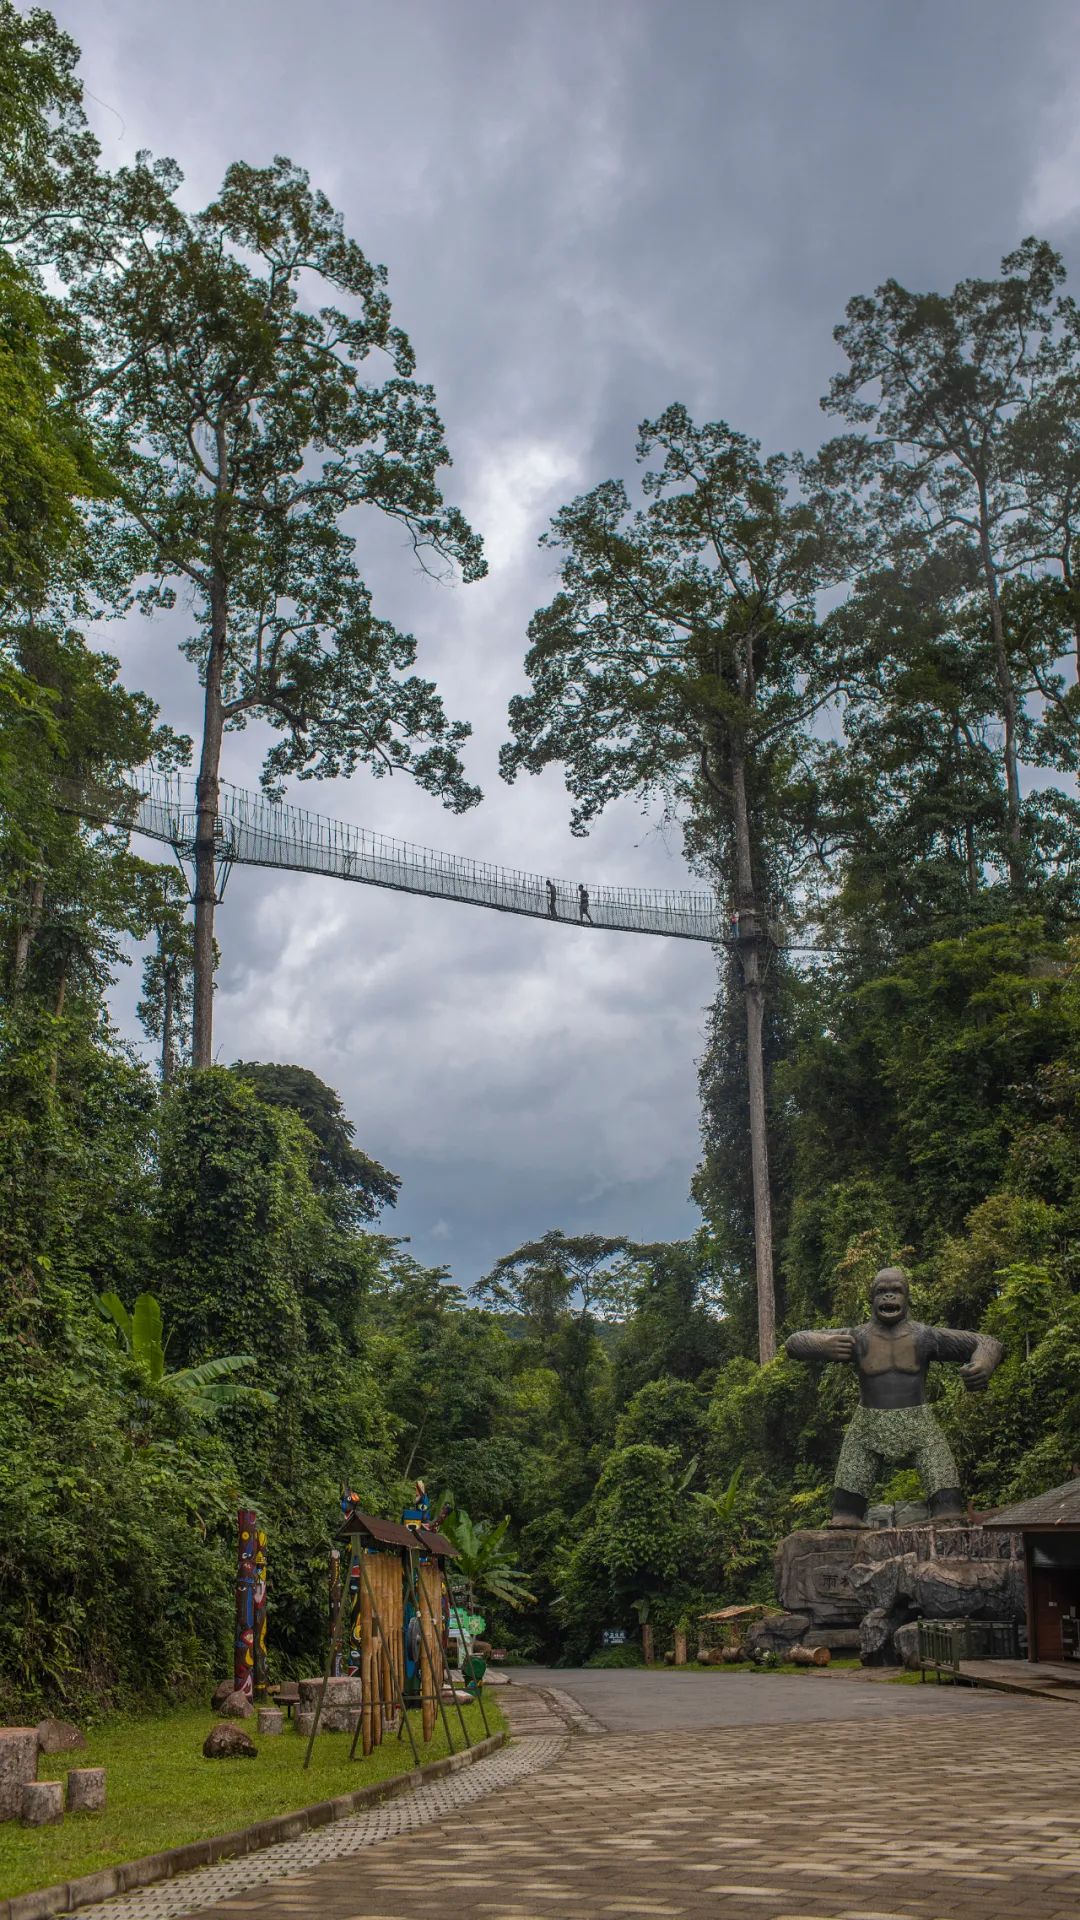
(583, 905)
(553, 908)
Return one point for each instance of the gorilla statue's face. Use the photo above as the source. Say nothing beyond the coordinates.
(890, 1302)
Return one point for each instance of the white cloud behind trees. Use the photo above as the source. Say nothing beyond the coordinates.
(585, 214)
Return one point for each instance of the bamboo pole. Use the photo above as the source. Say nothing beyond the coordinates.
(365, 1661)
(425, 1656)
(401, 1697)
(335, 1642)
(444, 1590)
(389, 1614)
(479, 1695)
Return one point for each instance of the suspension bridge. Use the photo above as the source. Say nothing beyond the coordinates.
(255, 831)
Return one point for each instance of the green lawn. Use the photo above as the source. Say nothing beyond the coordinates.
(162, 1793)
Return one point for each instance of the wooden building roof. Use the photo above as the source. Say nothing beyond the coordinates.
(1060, 1507)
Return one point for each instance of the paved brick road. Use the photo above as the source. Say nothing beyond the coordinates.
(959, 1807)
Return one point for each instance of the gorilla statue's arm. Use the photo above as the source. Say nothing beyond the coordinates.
(980, 1352)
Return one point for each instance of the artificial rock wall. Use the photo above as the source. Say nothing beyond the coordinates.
(834, 1582)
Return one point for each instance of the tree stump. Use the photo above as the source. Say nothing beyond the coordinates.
(18, 1765)
(85, 1789)
(42, 1803)
(271, 1720)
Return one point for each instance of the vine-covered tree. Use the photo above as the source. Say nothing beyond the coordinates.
(357, 1183)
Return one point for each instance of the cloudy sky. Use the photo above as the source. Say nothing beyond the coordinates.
(588, 209)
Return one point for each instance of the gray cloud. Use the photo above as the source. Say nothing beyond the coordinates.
(586, 212)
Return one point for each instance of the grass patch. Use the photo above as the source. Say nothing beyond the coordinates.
(162, 1793)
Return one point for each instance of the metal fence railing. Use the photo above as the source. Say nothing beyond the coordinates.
(254, 830)
(944, 1644)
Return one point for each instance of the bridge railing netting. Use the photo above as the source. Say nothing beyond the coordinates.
(254, 830)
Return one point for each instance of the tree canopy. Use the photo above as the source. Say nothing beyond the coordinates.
(851, 676)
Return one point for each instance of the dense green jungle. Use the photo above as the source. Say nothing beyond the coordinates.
(850, 677)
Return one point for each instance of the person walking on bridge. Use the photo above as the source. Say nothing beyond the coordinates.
(583, 906)
(552, 902)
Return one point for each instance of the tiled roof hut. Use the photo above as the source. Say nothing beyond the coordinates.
(1050, 1526)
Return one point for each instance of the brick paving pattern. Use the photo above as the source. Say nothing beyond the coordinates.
(437, 1800)
(940, 1815)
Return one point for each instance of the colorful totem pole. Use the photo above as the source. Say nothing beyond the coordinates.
(351, 1660)
(334, 1584)
(244, 1652)
(261, 1674)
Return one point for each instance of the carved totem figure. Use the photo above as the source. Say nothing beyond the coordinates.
(893, 1423)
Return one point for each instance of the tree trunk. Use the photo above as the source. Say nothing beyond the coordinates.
(969, 854)
(25, 936)
(752, 945)
(207, 796)
(61, 993)
(168, 982)
(1009, 703)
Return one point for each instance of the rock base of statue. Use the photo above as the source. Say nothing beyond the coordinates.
(856, 1588)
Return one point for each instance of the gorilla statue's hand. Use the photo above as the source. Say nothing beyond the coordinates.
(976, 1374)
(841, 1345)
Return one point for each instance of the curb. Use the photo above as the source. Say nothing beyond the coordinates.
(573, 1716)
(92, 1887)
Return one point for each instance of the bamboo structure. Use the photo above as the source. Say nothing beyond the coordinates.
(253, 830)
(387, 1562)
(429, 1605)
(379, 1569)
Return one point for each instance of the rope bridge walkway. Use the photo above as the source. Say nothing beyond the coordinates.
(254, 831)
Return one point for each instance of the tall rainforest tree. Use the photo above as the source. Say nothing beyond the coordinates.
(682, 660)
(912, 820)
(962, 397)
(165, 1007)
(48, 155)
(244, 430)
(47, 170)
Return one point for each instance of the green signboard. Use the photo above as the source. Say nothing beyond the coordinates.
(469, 1624)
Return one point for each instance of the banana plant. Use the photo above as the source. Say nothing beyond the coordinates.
(206, 1388)
(484, 1563)
(720, 1507)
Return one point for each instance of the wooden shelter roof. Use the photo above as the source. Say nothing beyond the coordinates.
(737, 1613)
(388, 1533)
(436, 1543)
(1060, 1507)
